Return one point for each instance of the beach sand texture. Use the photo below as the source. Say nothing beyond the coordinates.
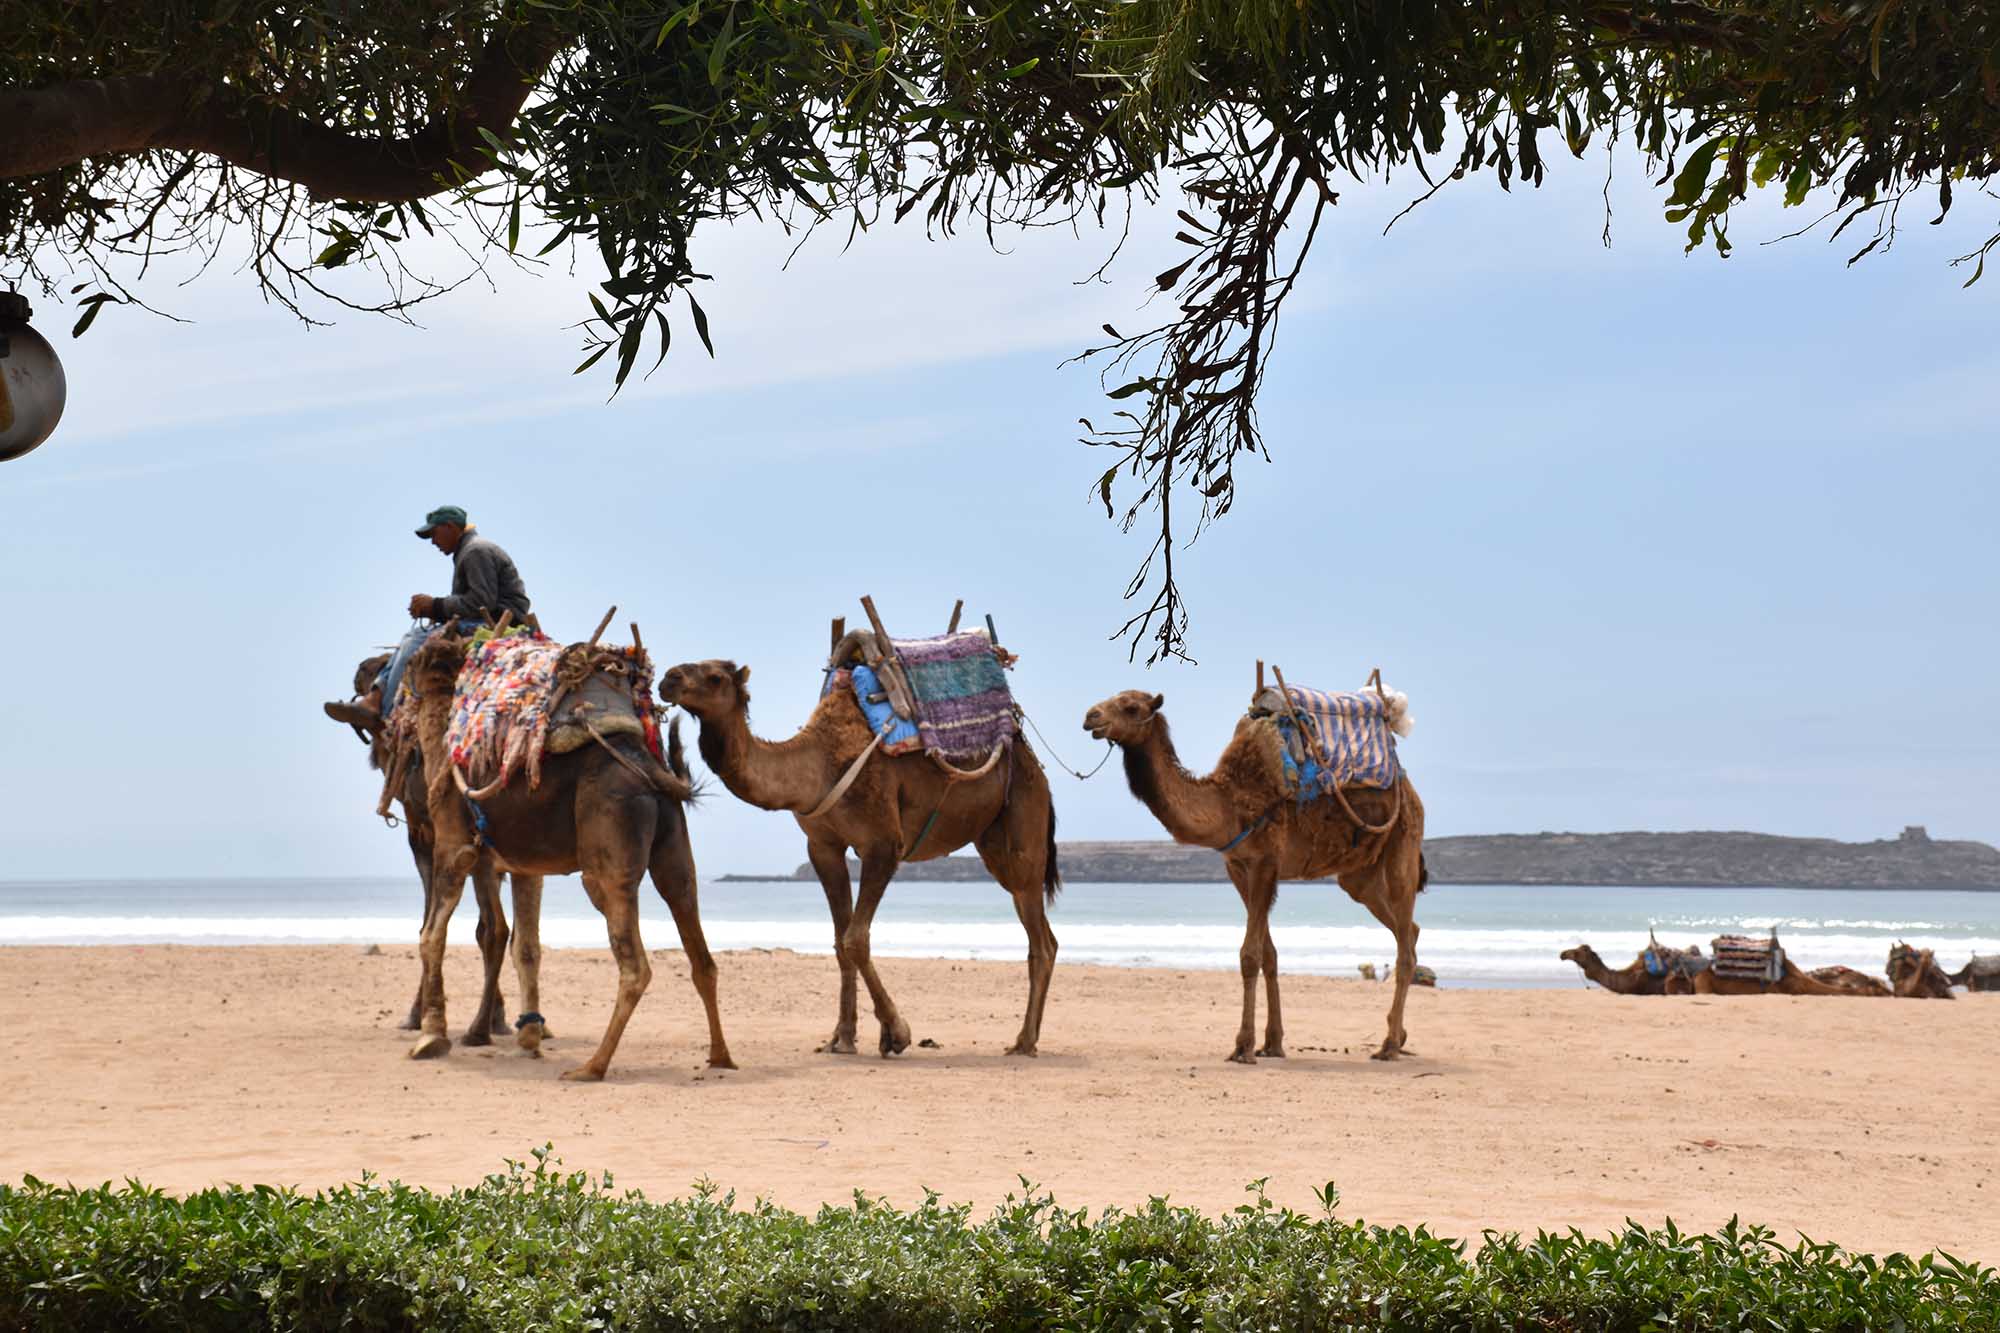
(1856, 1121)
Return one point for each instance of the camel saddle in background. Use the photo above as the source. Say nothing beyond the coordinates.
(1744, 959)
(954, 698)
(1663, 961)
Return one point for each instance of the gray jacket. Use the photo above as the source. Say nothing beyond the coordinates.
(484, 582)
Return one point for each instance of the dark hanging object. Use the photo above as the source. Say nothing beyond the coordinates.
(32, 387)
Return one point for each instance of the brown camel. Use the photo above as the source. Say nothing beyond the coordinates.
(1915, 975)
(1631, 979)
(609, 810)
(899, 808)
(407, 777)
(1980, 974)
(1794, 982)
(1243, 810)
(1851, 980)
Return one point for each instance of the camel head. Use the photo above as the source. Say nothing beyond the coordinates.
(364, 675)
(1125, 718)
(1582, 955)
(710, 690)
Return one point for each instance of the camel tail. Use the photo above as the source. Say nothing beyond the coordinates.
(1051, 873)
(1423, 872)
(677, 764)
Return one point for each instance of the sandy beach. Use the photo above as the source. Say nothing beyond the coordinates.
(1850, 1120)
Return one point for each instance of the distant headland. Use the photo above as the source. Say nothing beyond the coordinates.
(1912, 860)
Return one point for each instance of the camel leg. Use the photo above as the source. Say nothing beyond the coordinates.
(527, 950)
(1015, 850)
(420, 852)
(829, 862)
(492, 936)
(674, 877)
(1028, 905)
(616, 895)
(876, 871)
(448, 872)
(1250, 880)
(1274, 1023)
(1394, 905)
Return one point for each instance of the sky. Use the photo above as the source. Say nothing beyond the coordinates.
(1652, 540)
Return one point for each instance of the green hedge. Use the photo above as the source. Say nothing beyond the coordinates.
(540, 1248)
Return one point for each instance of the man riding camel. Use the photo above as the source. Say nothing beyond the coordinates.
(484, 585)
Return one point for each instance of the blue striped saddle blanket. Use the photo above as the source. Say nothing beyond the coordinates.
(1352, 731)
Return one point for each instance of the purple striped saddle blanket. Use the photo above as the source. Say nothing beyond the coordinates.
(1355, 732)
(964, 707)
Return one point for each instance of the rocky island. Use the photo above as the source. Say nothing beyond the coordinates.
(1912, 860)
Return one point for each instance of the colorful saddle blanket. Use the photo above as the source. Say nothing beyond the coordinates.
(501, 715)
(1662, 961)
(1746, 959)
(1352, 731)
(963, 704)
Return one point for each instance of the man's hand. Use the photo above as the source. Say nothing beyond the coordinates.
(421, 606)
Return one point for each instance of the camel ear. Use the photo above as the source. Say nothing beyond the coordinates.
(1159, 702)
(742, 675)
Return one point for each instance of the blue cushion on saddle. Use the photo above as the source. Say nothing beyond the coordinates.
(1654, 967)
(882, 719)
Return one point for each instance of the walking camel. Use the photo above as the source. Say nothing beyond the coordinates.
(403, 776)
(1243, 810)
(609, 810)
(899, 808)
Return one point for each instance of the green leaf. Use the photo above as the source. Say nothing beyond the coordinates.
(701, 324)
(1018, 70)
(514, 225)
(721, 47)
(91, 305)
(592, 359)
(1692, 182)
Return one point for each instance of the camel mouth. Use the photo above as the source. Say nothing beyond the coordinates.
(1095, 725)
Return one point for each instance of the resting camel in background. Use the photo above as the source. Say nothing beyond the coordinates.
(1916, 975)
(899, 808)
(1793, 982)
(609, 810)
(490, 1019)
(1631, 979)
(1243, 810)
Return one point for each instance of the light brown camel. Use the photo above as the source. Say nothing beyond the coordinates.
(1631, 979)
(608, 810)
(1851, 980)
(899, 808)
(1915, 975)
(1243, 810)
(404, 772)
(1793, 982)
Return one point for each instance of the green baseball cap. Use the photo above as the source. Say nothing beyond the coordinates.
(442, 514)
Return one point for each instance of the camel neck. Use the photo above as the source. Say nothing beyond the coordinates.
(1195, 810)
(770, 776)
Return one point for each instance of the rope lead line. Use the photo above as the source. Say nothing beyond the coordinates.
(1109, 746)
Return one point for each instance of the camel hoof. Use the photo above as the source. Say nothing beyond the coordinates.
(583, 1074)
(1242, 1057)
(413, 1022)
(895, 1040)
(838, 1045)
(500, 1027)
(530, 1038)
(1271, 1051)
(431, 1046)
(1389, 1051)
(1026, 1048)
(476, 1037)
(720, 1060)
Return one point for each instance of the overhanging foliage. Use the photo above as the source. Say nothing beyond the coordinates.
(328, 134)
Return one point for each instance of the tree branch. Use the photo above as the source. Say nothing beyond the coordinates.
(60, 125)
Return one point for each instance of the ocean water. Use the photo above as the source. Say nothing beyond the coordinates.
(1473, 935)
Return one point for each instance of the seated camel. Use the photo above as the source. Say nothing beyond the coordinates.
(1243, 810)
(1631, 979)
(891, 809)
(1915, 975)
(1793, 982)
(1982, 973)
(1851, 980)
(610, 810)
(402, 764)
